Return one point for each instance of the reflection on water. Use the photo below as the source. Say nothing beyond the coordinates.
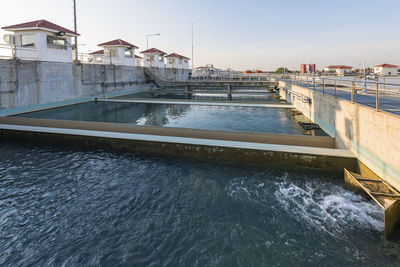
(91, 208)
(249, 119)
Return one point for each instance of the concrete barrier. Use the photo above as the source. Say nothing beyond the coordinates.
(373, 136)
(33, 83)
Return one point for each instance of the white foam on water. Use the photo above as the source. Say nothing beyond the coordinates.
(315, 203)
(328, 207)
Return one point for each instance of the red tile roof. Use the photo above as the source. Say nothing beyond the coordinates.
(138, 57)
(153, 50)
(100, 52)
(386, 66)
(339, 67)
(118, 42)
(39, 25)
(175, 55)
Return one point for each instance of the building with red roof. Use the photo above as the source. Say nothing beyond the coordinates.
(42, 40)
(386, 70)
(138, 61)
(340, 70)
(153, 57)
(117, 52)
(176, 61)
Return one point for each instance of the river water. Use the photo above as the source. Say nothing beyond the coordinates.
(80, 207)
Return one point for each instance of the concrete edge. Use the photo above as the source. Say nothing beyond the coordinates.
(174, 102)
(342, 153)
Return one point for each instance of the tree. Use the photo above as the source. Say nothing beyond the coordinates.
(282, 70)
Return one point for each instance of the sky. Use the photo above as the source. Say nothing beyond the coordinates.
(247, 34)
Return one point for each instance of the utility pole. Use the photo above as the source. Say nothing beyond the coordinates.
(192, 50)
(76, 30)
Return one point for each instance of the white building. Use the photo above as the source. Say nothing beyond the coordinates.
(153, 58)
(138, 61)
(117, 52)
(386, 70)
(42, 40)
(340, 70)
(176, 61)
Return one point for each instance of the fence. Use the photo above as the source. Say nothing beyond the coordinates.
(349, 89)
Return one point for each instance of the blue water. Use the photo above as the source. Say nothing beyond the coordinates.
(229, 118)
(93, 208)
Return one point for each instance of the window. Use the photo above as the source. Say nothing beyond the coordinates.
(56, 43)
(171, 61)
(128, 53)
(180, 61)
(28, 40)
(160, 58)
(99, 59)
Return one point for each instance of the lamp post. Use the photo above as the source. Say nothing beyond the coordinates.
(147, 38)
(76, 37)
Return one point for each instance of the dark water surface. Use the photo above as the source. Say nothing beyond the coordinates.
(245, 96)
(229, 118)
(91, 208)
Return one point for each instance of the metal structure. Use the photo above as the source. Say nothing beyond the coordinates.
(382, 193)
(147, 39)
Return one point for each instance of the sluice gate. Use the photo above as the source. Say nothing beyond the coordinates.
(381, 192)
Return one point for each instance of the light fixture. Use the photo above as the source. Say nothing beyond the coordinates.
(60, 33)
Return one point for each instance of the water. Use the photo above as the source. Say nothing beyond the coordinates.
(90, 208)
(245, 96)
(229, 118)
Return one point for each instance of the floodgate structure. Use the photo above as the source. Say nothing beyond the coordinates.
(313, 124)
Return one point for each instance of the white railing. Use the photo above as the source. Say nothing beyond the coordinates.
(25, 53)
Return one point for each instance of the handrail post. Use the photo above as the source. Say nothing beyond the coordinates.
(323, 86)
(313, 78)
(377, 97)
(335, 88)
(352, 92)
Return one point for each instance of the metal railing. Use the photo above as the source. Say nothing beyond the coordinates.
(352, 86)
(25, 53)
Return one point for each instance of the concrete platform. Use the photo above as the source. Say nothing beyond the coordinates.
(206, 147)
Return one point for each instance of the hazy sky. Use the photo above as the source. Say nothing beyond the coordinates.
(242, 34)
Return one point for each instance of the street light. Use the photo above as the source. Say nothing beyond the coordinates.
(147, 38)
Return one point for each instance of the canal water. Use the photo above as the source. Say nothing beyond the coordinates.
(228, 118)
(88, 208)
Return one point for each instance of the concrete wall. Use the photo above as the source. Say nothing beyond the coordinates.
(386, 71)
(373, 136)
(29, 83)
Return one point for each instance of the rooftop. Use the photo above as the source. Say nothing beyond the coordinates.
(138, 57)
(175, 55)
(386, 66)
(118, 42)
(100, 52)
(339, 67)
(153, 50)
(39, 25)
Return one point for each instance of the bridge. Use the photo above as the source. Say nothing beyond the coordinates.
(218, 83)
